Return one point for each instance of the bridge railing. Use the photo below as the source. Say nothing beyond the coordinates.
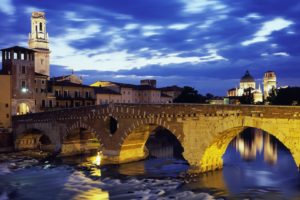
(174, 107)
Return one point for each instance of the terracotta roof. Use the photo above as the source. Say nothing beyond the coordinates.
(105, 90)
(135, 87)
(38, 74)
(18, 48)
(67, 83)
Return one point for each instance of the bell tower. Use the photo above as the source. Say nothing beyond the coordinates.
(38, 41)
(269, 83)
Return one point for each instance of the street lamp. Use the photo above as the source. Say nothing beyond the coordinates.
(24, 90)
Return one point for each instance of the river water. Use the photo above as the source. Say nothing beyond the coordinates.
(247, 174)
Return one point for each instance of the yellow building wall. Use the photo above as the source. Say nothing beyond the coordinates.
(5, 101)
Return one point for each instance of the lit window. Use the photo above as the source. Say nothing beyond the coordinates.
(15, 55)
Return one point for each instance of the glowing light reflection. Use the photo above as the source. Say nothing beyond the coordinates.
(260, 143)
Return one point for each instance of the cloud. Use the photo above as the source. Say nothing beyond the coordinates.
(267, 29)
(196, 6)
(177, 42)
(7, 7)
(179, 26)
(284, 54)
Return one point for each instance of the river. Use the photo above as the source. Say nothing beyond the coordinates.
(246, 175)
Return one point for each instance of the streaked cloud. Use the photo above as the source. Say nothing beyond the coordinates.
(267, 29)
(185, 42)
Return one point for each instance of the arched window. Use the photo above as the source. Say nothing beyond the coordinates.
(41, 26)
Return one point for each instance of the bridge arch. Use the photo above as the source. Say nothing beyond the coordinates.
(133, 141)
(34, 139)
(82, 125)
(80, 138)
(212, 156)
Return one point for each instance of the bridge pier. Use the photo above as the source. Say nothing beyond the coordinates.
(124, 156)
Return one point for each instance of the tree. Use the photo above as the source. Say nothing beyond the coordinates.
(247, 97)
(189, 95)
(285, 96)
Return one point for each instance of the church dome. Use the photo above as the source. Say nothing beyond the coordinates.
(247, 78)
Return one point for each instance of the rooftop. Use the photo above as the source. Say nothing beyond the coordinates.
(17, 48)
(67, 84)
(247, 77)
(105, 90)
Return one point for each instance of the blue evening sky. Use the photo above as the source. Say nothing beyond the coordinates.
(207, 44)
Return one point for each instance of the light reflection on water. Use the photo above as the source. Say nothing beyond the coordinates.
(258, 143)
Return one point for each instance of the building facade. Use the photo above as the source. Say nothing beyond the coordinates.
(39, 42)
(247, 87)
(5, 101)
(145, 93)
(18, 62)
(66, 94)
(269, 83)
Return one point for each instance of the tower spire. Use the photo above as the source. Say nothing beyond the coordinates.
(38, 41)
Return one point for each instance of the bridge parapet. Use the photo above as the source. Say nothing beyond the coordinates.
(164, 110)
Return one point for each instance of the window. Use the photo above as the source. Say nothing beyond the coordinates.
(22, 56)
(87, 94)
(56, 92)
(23, 70)
(43, 104)
(7, 115)
(41, 26)
(57, 104)
(42, 61)
(15, 55)
(65, 93)
(42, 90)
(76, 94)
(6, 105)
(8, 55)
(43, 82)
(50, 103)
(23, 84)
(36, 90)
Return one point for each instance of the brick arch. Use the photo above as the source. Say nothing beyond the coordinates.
(211, 157)
(134, 138)
(43, 131)
(80, 124)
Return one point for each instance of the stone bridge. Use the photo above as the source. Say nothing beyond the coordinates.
(204, 131)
